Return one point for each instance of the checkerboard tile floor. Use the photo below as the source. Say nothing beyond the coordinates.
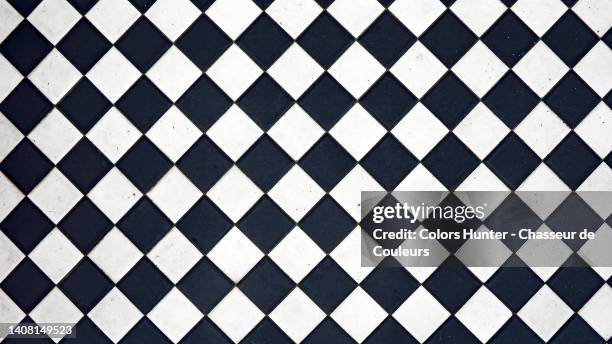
(189, 171)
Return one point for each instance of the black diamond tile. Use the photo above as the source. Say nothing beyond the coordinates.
(387, 39)
(327, 223)
(327, 162)
(25, 47)
(86, 285)
(144, 164)
(450, 100)
(389, 162)
(145, 285)
(89, 333)
(25, 166)
(266, 332)
(24, 7)
(450, 226)
(452, 328)
(203, 42)
(390, 332)
(204, 163)
(84, 45)
(607, 38)
(204, 214)
(264, 41)
(570, 38)
(265, 163)
(512, 161)
(26, 285)
(510, 216)
(325, 40)
(83, 6)
(327, 329)
(575, 285)
(26, 225)
(574, 215)
(205, 285)
(324, 3)
(368, 225)
(206, 331)
(266, 285)
(144, 224)
(265, 102)
(515, 330)
(84, 105)
(25, 106)
(327, 285)
(84, 165)
(326, 101)
(572, 99)
(145, 332)
(514, 286)
(463, 281)
(203, 103)
(448, 38)
(569, 3)
(451, 161)
(511, 99)
(390, 284)
(509, 38)
(572, 160)
(143, 104)
(388, 100)
(142, 5)
(143, 44)
(85, 225)
(576, 330)
(266, 224)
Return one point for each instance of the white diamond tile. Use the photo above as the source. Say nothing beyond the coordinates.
(175, 315)
(234, 132)
(55, 255)
(115, 315)
(235, 193)
(54, 76)
(174, 194)
(296, 193)
(173, 17)
(236, 315)
(174, 255)
(112, 17)
(297, 315)
(54, 18)
(174, 133)
(357, 131)
(295, 70)
(55, 136)
(356, 70)
(115, 255)
(235, 254)
(233, 16)
(545, 313)
(173, 73)
(234, 71)
(114, 195)
(55, 195)
(297, 254)
(296, 132)
(294, 15)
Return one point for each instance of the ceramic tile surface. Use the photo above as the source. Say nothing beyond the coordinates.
(188, 171)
